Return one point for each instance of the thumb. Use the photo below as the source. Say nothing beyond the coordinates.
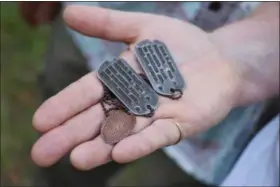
(105, 23)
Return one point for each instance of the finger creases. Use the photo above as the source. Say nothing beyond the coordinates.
(70, 101)
(91, 154)
(160, 133)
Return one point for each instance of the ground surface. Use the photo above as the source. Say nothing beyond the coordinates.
(21, 56)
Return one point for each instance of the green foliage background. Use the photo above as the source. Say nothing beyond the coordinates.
(22, 50)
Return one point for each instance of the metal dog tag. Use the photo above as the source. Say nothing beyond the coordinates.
(159, 67)
(128, 87)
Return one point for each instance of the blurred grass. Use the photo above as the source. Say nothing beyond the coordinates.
(22, 50)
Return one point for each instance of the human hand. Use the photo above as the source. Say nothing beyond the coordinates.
(71, 119)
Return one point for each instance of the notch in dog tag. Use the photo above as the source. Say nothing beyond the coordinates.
(129, 88)
(159, 67)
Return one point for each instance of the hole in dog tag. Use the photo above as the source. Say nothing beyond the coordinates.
(128, 87)
(159, 67)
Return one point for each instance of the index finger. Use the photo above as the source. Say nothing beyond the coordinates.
(105, 23)
(78, 96)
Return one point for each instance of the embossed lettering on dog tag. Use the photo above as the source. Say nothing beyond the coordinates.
(117, 126)
(160, 67)
(137, 96)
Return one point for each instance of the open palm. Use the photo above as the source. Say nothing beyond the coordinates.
(71, 119)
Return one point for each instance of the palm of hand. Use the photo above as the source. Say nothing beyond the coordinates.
(72, 118)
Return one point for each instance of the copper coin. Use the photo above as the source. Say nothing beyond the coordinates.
(117, 126)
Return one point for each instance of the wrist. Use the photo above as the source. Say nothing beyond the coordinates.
(243, 90)
(253, 56)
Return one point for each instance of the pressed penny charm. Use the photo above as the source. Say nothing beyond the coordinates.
(117, 126)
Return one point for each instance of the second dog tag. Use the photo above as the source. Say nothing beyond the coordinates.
(160, 68)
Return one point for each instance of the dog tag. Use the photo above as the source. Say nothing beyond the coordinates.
(159, 67)
(138, 97)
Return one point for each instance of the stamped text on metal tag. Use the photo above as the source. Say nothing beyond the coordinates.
(128, 87)
(159, 67)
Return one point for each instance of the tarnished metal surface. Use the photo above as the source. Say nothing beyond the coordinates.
(129, 88)
(117, 126)
(159, 67)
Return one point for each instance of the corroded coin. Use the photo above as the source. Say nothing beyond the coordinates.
(117, 126)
